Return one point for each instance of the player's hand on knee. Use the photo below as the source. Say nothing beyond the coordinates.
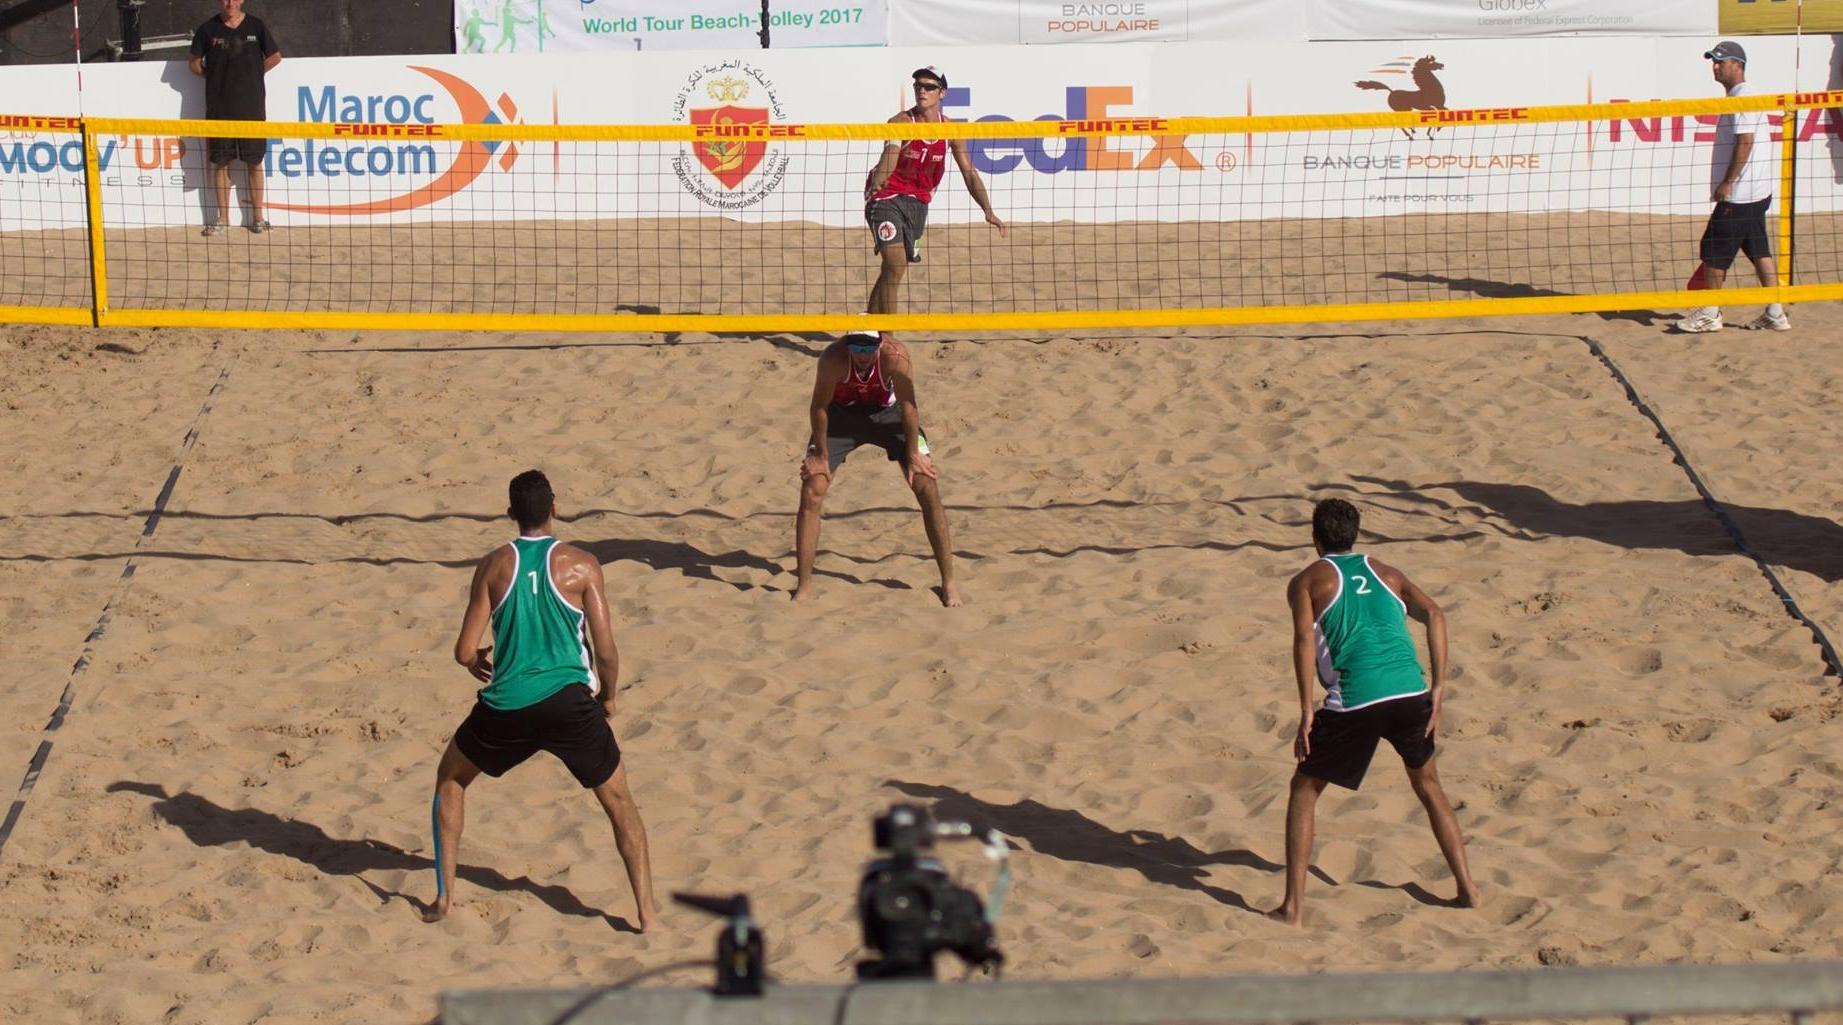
(815, 466)
(921, 467)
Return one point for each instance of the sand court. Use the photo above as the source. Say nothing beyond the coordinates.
(233, 825)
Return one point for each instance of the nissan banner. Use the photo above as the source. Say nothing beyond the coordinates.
(1444, 19)
(543, 26)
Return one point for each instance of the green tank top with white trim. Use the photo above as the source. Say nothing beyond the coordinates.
(1365, 655)
(540, 641)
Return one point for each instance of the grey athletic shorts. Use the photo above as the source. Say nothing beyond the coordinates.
(898, 217)
(848, 427)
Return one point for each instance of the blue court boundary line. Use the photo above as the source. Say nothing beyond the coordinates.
(1834, 665)
(39, 757)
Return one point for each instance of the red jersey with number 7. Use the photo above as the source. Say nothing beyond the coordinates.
(920, 166)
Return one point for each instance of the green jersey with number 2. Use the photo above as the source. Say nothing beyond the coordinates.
(1365, 655)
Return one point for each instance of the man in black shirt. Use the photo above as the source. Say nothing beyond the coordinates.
(232, 52)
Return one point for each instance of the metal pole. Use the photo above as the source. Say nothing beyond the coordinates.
(764, 32)
(130, 11)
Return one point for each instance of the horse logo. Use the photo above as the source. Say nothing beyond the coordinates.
(1427, 94)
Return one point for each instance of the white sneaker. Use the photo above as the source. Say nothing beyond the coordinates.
(1768, 322)
(1699, 323)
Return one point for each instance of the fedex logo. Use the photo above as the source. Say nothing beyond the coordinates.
(1091, 106)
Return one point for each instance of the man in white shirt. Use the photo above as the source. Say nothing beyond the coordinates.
(1741, 172)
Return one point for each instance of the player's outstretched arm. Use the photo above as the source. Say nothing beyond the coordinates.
(886, 164)
(975, 186)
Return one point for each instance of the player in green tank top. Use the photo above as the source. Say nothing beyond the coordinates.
(1350, 630)
(552, 689)
(539, 640)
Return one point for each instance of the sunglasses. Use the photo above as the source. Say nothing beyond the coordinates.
(927, 87)
(864, 348)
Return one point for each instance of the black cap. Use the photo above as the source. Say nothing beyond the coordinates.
(1726, 50)
(930, 72)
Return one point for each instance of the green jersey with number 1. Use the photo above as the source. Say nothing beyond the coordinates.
(1365, 655)
(540, 643)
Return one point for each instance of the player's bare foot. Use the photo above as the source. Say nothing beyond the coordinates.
(1293, 916)
(437, 911)
(649, 921)
(804, 592)
(1468, 897)
(950, 596)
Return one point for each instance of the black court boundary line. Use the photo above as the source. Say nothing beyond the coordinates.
(62, 711)
(1834, 665)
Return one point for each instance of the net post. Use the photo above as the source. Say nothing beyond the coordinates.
(92, 195)
(1788, 184)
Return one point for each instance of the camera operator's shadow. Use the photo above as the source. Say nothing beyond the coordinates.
(1071, 836)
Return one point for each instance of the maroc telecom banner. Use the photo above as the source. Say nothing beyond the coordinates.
(989, 22)
(1447, 19)
(1780, 17)
(399, 168)
(545, 26)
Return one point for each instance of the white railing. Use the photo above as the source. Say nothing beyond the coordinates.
(1795, 990)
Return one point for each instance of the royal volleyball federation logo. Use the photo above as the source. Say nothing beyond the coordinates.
(391, 136)
(732, 166)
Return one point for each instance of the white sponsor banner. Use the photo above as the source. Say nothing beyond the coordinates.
(546, 26)
(1496, 19)
(407, 172)
(988, 22)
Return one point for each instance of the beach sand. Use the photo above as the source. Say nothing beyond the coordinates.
(233, 822)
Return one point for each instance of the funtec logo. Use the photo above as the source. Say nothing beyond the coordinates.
(1086, 108)
(391, 133)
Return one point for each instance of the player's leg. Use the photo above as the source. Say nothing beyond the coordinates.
(1757, 244)
(813, 488)
(252, 163)
(1426, 782)
(1301, 823)
(885, 294)
(448, 813)
(220, 152)
(940, 538)
(1717, 249)
(630, 839)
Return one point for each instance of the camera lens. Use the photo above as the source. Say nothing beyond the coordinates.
(901, 901)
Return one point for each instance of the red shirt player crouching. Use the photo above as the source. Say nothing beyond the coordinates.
(864, 395)
(902, 184)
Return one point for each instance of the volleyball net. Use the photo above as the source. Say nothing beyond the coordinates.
(737, 224)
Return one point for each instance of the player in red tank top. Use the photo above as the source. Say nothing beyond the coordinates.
(864, 395)
(901, 186)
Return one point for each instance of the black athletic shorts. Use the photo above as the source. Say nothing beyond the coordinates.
(568, 724)
(223, 151)
(848, 427)
(898, 217)
(1344, 742)
(1736, 228)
